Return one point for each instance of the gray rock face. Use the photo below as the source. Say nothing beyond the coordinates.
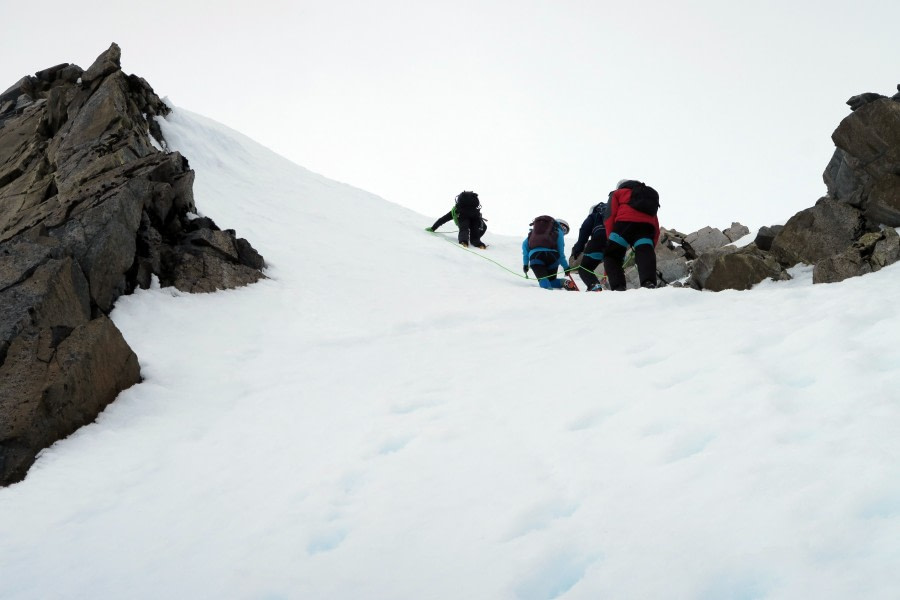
(89, 210)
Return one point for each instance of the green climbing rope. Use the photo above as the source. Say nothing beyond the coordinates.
(504, 267)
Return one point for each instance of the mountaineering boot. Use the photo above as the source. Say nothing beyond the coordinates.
(649, 285)
(482, 246)
(464, 244)
(596, 288)
(569, 285)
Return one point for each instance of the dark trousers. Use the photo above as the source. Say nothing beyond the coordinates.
(638, 236)
(591, 259)
(471, 229)
(545, 266)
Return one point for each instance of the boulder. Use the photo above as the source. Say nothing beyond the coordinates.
(886, 250)
(703, 265)
(708, 238)
(871, 252)
(671, 262)
(818, 232)
(55, 380)
(765, 236)
(743, 269)
(839, 267)
(736, 232)
(90, 209)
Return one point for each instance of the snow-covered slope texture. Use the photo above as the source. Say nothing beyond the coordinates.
(390, 416)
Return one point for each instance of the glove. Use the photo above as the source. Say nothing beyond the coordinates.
(574, 257)
(525, 269)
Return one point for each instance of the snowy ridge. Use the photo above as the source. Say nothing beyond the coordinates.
(391, 417)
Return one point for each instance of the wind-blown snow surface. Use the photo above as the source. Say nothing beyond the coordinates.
(393, 417)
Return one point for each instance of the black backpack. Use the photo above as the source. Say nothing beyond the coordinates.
(467, 203)
(643, 197)
(544, 233)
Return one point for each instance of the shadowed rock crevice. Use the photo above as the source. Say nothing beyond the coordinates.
(90, 209)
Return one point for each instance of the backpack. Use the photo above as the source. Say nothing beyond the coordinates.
(643, 197)
(467, 203)
(544, 233)
(601, 213)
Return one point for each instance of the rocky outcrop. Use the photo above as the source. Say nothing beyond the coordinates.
(864, 171)
(847, 233)
(91, 207)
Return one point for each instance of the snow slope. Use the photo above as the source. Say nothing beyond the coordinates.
(393, 417)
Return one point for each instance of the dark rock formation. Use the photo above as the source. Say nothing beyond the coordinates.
(90, 209)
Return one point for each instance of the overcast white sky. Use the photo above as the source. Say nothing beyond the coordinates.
(540, 106)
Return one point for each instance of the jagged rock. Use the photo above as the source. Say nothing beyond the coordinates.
(55, 380)
(736, 232)
(743, 269)
(90, 209)
(818, 232)
(766, 236)
(106, 63)
(708, 238)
